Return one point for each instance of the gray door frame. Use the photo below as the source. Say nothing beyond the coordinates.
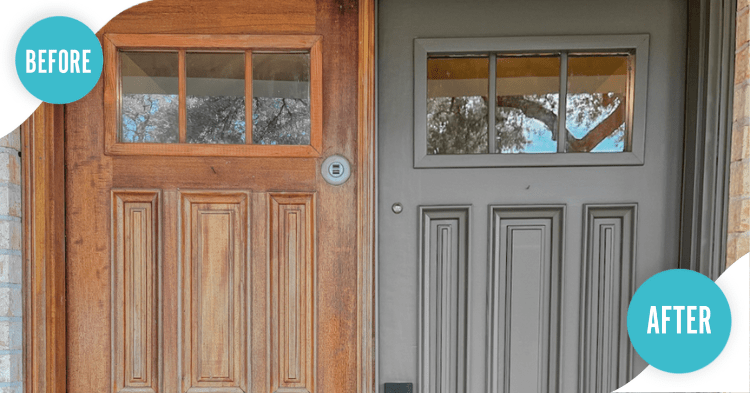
(708, 125)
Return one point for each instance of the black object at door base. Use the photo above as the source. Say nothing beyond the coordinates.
(407, 387)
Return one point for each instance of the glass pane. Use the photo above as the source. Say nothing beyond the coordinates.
(215, 97)
(597, 103)
(457, 91)
(281, 98)
(528, 92)
(149, 97)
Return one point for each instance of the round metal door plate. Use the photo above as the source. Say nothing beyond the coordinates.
(335, 170)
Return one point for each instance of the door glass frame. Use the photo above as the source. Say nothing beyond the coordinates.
(638, 44)
(113, 44)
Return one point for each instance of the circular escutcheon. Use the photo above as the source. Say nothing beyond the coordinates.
(335, 170)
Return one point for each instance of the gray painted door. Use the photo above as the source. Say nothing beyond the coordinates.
(517, 279)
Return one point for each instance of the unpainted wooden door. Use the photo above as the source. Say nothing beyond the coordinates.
(214, 265)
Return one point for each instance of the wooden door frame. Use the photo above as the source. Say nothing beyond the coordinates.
(708, 106)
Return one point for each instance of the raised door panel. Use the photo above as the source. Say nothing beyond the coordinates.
(292, 292)
(525, 266)
(606, 355)
(135, 274)
(215, 295)
(443, 324)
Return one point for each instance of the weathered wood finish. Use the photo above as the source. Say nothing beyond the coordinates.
(214, 276)
(43, 172)
(329, 344)
(136, 264)
(227, 17)
(365, 172)
(292, 281)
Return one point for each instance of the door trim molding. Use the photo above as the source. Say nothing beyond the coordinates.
(366, 201)
(708, 125)
(43, 200)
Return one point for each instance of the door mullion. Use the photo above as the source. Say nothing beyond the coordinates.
(492, 104)
(182, 95)
(562, 132)
(248, 97)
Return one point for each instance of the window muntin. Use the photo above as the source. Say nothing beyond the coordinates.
(604, 118)
(215, 70)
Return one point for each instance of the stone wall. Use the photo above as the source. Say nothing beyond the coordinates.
(738, 236)
(11, 304)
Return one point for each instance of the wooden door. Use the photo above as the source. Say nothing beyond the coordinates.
(207, 265)
(508, 268)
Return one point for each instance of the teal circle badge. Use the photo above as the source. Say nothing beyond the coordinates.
(59, 60)
(679, 321)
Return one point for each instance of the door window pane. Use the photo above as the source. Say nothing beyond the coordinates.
(597, 103)
(149, 102)
(528, 92)
(281, 98)
(215, 97)
(457, 108)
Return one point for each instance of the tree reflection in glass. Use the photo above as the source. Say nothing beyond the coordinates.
(215, 97)
(149, 102)
(457, 90)
(281, 98)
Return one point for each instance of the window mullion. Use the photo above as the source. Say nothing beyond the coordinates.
(492, 104)
(248, 97)
(562, 132)
(182, 92)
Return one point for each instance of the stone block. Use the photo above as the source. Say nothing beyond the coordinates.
(11, 303)
(10, 167)
(10, 269)
(742, 66)
(11, 389)
(739, 216)
(739, 180)
(742, 26)
(12, 140)
(10, 367)
(740, 142)
(737, 246)
(740, 107)
(10, 335)
(10, 201)
(10, 235)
